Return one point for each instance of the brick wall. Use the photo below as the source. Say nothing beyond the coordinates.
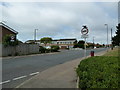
(3, 32)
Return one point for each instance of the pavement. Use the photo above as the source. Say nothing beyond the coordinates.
(59, 76)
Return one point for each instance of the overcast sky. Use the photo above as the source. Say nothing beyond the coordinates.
(61, 19)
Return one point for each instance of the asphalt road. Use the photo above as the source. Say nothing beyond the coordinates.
(17, 70)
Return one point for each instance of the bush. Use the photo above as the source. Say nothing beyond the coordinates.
(54, 48)
(42, 49)
(7, 41)
(47, 50)
(79, 46)
(99, 72)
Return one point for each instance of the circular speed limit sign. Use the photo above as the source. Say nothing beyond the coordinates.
(84, 31)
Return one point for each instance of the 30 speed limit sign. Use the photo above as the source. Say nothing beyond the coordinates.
(84, 31)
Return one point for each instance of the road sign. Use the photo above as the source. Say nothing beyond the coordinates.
(12, 38)
(84, 31)
(84, 36)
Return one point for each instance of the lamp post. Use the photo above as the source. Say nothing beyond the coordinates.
(111, 40)
(93, 41)
(107, 35)
(35, 35)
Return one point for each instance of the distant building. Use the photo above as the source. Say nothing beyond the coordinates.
(6, 30)
(33, 41)
(62, 43)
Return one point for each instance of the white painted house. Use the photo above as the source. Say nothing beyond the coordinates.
(62, 43)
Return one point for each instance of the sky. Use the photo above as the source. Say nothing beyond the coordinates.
(60, 20)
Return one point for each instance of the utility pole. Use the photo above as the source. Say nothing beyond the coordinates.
(35, 35)
(107, 36)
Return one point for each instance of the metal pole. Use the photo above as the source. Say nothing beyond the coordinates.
(111, 40)
(107, 36)
(35, 35)
(93, 42)
(85, 49)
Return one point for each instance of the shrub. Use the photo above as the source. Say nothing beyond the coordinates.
(47, 50)
(54, 48)
(98, 72)
(42, 49)
(7, 41)
(78, 46)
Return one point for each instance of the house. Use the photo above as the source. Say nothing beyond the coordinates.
(6, 30)
(62, 43)
(65, 43)
(32, 41)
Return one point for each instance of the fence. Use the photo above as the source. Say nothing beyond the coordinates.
(22, 49)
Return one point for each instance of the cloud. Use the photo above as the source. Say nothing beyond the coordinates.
(60, 20)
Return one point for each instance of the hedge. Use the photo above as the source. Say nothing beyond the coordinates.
(99, 72)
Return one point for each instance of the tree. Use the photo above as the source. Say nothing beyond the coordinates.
(54, 48)
(7, 40)
(80, 44)
(116, 39)
(46, 40)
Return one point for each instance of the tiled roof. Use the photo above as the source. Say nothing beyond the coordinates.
(9, 28)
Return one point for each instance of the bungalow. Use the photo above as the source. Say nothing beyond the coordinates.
(62, 43)
(6, 30)
(32, 41)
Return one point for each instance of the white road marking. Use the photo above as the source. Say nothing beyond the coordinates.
(34, 73)
(5, 82)
(19, 77)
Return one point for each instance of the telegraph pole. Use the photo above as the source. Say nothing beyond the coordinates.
(35, 35)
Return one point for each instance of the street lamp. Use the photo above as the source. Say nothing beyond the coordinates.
(35, 35)
(107, 34)
(93, 42)
(111, 40)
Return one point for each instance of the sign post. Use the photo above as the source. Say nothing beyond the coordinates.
(84, 32)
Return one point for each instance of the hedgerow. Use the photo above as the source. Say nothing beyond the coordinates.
(99, 72)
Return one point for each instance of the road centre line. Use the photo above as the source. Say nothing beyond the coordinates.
(5, 82)
(34, 73)
(19, 77)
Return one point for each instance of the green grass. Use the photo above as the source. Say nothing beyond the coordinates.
(113, 52)
(99, 72)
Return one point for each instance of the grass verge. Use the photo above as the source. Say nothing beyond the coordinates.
(99, 72)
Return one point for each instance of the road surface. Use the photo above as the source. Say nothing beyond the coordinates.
(17, 70)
